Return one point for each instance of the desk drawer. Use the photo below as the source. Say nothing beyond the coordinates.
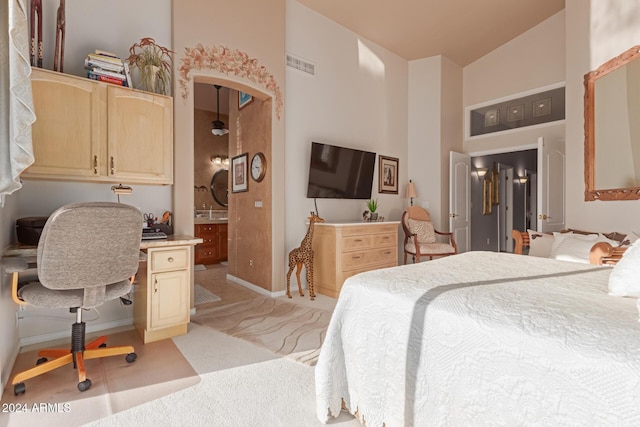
(359, 259)
(174, 259)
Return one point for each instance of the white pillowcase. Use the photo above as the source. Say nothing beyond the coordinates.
(630, 238)
(540, 243)
(576, 247)
(624, 280)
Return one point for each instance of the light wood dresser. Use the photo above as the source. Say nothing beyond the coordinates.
(344, 249)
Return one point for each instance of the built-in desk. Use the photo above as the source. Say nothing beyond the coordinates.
(161, 294)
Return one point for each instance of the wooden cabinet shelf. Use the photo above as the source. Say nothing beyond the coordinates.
(92, 131)
(342, 250)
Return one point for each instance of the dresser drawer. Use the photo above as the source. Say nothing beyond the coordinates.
(360, 259)
(387, 239)
(175, 259)
(354, 243)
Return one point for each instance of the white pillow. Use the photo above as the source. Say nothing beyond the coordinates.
(624, 280)
(576, 247)
(540, 243)
(630, 238)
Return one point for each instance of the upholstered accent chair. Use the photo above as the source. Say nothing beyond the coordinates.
(420, 236)
(88, 253)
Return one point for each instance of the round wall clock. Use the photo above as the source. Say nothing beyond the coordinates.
(258, 167)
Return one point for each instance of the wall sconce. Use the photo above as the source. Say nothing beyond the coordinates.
(523, 179)
(481, 172)
(411, 191)
(219, 159)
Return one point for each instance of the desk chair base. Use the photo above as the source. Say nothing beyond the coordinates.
(77, 355)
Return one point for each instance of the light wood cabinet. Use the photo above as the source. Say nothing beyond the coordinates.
(342, 250)
(213, 248)
(92, 131)
(161, 293)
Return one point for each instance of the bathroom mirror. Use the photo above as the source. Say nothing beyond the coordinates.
(220, 187)
(612, 131)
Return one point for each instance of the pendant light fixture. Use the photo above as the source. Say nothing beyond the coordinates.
(217, 126)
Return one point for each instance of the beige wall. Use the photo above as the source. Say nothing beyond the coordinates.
(596, 32)
(251, 30)
(250, 249)
(205, 146)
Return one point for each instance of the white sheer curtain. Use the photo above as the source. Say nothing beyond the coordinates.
(16, 102)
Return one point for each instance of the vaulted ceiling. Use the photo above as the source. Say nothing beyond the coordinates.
(461, 30)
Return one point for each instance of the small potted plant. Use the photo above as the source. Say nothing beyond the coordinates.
(372, 204)
(154, 65)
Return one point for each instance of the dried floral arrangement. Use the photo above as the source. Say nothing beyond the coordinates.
(154, 65)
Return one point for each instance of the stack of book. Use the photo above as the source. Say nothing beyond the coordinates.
(107, 67)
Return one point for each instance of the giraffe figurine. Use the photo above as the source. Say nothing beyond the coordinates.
(303, 255)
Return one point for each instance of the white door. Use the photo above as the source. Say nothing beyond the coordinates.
(459, 199)
(551, 185)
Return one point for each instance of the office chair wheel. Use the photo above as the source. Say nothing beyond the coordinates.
(19, 388)
(131, 357)
(84, 385)
(41, 361)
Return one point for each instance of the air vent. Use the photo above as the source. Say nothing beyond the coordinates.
(301, 64)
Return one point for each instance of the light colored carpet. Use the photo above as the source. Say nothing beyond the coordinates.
(203, 296)
(279, 326)
(116, 384)
(270, 394)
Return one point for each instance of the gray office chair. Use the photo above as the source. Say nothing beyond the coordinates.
(88, 253)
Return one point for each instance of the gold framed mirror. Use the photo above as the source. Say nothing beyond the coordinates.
(611, 128)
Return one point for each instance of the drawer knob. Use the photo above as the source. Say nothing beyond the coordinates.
(170, 259)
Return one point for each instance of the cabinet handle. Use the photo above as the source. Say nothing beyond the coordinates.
(112, 166)
(355, 257)
(358, 240)
(386, 252)
(95, 165)
(170, 259)
(155, 285)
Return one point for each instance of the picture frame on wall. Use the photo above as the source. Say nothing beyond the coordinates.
(388, 174)
(239, 175)
(243, 99)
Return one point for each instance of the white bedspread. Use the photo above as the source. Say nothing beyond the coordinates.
(480, 339)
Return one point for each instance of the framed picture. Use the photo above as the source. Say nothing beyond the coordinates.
(487, 189)
(239, 168)
(388, 175)
(243, 99)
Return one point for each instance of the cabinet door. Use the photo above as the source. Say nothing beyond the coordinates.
(169, 299)
(69, 138)
(140, 136)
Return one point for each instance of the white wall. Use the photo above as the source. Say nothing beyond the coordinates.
(357, 99)
(8, 327)
(594, 35)
(533, 60)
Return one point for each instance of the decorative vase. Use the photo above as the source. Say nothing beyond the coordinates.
(374, 216)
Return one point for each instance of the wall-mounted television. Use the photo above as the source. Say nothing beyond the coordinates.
(340, 172)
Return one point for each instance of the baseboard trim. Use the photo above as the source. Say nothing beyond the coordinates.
(255, 288)
(6, 373)
(36, 339)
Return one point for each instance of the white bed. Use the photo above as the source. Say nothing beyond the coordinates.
(482, 338)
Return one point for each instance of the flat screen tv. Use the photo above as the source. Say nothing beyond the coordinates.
(340, 172)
